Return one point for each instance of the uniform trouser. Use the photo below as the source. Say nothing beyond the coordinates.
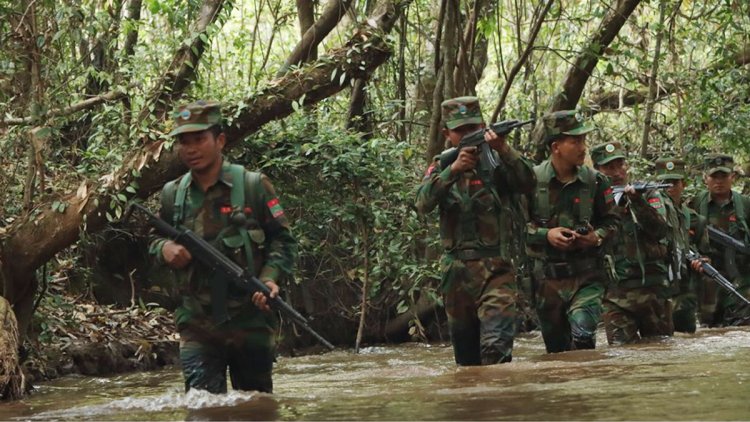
(684, 312)
(480, 302)
(248, 353)
(569, 310)
(629, 312)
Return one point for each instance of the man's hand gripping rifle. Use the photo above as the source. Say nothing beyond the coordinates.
(715, 275)
(231, 272)
(641, 187)
(487, 160)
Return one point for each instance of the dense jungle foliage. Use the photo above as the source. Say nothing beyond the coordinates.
(338, 102)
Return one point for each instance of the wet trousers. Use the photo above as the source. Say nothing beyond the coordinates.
(638, 312)
(480, 302)
(569, 310)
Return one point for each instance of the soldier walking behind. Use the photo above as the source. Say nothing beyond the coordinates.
(571, 216)
(728, 211)
(638, 303)
(478, 282)
(688, 232)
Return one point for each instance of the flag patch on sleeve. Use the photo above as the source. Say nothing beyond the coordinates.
(275, 207)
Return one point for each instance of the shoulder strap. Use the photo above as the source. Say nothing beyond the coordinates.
(703, 204)
(237, 194)
(179, 199)
(739, 210)
(542, 191)
(586, 204)
(254, 189)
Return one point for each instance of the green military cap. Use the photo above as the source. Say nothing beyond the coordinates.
(196, 116)
(604, 153)
(718, 162)
(670, 168)
(461, 111)
(564, 122)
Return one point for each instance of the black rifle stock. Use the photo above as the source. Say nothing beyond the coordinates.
(220, 263)
(715, 275)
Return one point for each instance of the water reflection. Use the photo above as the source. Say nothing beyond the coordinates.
(688, 377)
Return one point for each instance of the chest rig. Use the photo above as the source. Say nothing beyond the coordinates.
(584, 207)
(245, 191)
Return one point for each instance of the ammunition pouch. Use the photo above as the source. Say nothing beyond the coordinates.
(557, 270)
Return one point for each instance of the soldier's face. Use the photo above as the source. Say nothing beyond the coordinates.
(570, 149)
(678, 186)
(617, 170)
(455, 135)
(719, 183)
(200, 150)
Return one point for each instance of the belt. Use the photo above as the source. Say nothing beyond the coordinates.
(569, 269)
(473, 254)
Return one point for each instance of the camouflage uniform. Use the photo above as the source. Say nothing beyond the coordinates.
(569, 284)
(639, 301)
(478, 282)
(245, 342)
(688, 232)
(719, 307)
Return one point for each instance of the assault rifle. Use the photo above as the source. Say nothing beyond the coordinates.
(227, 270)
(487, 161)
(731, 247)
(715, 275)
(619, 190)
(727, 241)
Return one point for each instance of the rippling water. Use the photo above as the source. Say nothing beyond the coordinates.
(705, 376)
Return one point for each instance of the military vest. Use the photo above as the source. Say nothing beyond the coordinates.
(476, 221)
(585, 203)
(244, 196)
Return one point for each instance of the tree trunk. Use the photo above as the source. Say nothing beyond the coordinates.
(314, 35)
(306, 16)
(184, 65)
(579, 73)
(12, 383)
(652, 81)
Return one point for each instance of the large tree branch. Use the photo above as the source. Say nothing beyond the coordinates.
(73, 108)
(315, 34)
(181, 71)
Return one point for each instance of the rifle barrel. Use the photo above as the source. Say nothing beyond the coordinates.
(217, 261)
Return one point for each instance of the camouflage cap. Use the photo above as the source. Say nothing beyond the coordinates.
(564, 122)
(461, 111)
(604, 153)
(718, 162)
(196, 116)
(670, 168)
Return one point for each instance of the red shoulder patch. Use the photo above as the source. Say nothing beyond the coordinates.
(430, 169)
(275, 207)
